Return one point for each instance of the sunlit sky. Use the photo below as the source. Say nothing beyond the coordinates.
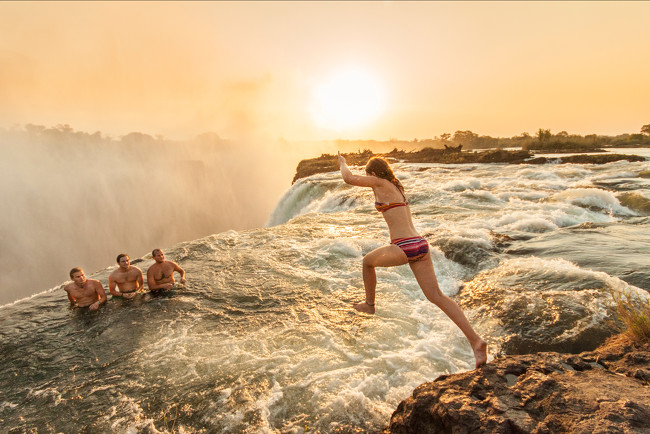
(326, 70)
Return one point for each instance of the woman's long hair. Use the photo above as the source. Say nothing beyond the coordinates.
(382, 169)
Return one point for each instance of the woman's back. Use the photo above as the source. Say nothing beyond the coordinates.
(391, 202)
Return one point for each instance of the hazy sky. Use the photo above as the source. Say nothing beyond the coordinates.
(325, 70)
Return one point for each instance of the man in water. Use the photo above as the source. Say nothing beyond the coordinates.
(84, 292)
(161, 274)
(127, 278)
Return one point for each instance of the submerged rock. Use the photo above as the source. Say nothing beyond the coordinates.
(601, 391)
(543, 305)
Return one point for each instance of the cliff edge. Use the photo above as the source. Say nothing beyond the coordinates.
(602, 391)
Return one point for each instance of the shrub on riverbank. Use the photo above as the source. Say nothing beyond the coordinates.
(634, 314)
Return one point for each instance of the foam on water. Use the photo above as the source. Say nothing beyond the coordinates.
(596, 198)
(551, 305)
(262, 338)
(461, 185)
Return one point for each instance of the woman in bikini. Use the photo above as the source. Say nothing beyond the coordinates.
(406, 246)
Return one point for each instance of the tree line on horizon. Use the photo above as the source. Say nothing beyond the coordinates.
(63, 135)
(542, 140)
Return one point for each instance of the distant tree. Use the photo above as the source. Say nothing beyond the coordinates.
(562, 134)
(543, 135)
(465, 138)
(637, 137)
(646, 129)
(63, 129)
(486, 142)
(137, 138)
(34, 129)
(523, 137)
(445, 137)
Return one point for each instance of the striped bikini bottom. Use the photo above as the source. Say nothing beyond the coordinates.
(415, 248)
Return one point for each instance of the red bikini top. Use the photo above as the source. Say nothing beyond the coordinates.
(382, 207)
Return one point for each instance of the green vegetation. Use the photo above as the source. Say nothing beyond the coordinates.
(634, 313)
(543, 140)
(646, 129)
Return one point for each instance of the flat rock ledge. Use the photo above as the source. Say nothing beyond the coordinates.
(602, 391)
(329, 163)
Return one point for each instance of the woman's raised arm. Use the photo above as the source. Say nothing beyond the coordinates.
(358, 180)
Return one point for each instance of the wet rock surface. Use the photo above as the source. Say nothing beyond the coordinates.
(533, 308)
(602, 391)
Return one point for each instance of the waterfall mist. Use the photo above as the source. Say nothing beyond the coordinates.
(76, 199)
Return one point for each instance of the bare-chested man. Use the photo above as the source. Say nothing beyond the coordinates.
(127, 278)
(84, 292)
(161, 274)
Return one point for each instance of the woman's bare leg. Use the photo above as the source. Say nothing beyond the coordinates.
(426, 277)
(386, 256)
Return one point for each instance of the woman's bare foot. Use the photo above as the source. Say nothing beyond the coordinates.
(480, 353)
(364, 307)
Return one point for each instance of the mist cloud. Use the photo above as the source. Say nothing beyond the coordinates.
(78, 199)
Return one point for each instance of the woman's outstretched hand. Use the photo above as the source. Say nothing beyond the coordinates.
(341, 159)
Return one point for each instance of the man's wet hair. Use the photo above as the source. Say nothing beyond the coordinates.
(153, 252)
(75, 270)
(120, 256)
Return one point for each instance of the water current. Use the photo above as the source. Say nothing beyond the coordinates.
(262, 337)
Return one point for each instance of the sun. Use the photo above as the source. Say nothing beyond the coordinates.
(351, 98)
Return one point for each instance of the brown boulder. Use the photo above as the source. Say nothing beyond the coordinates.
(601, 391)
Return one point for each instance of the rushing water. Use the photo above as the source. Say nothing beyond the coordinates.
(262, 338)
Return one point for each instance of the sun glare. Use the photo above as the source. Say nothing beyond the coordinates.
(349, 99)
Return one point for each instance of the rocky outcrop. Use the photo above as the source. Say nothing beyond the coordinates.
(329, 163)
(602, 391)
